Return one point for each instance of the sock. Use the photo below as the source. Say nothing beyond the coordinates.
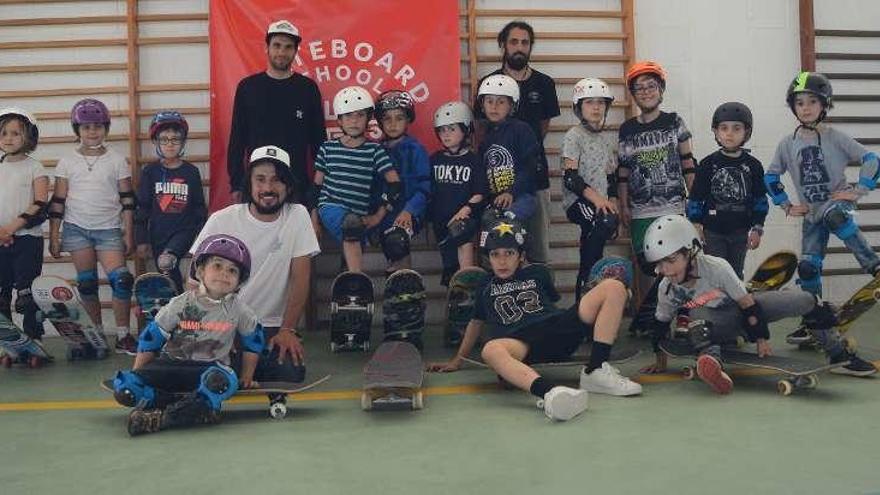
(600, 354)
(540, 387)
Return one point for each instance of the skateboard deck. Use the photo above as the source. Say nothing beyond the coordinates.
(277, 393)
(403, 307)
(774, 272)
(17, 347)
(460, 302)
(393, 376)
(351, 312)
(859, 304)
(798, 373)
(60, 304)
(152, 291)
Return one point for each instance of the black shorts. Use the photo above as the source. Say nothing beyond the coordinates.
(556, 338)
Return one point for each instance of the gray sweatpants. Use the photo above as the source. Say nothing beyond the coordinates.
(727, 321)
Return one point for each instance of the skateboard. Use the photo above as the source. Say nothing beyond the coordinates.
(17, 347)
(403, 307)
(460, 302)
(797, 373)
(60, 304)
(393, 376)
(351, 312)
(776, 271)
(277, 393)
(857, 305)
(152, 291)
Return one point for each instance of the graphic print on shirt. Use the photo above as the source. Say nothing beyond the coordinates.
(730, 186)
(172, 196)
(452, 174)
(684, 297)
(814, 176)
(512, 300)
(499, 169)
(190, 334)
(656, 172)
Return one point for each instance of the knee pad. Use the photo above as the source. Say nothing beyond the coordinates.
(87, 284)
(166, 262)
(255, 341)
(606, 225)
(122, 282)
(218, 383)
(460, 232)
(24, 303)
(352, 227)
(810, 274)
(700, 334)
(839, 220)
(129, 389)
(395, 244)
(151, 338)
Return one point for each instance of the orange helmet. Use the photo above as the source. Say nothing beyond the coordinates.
(645, 67)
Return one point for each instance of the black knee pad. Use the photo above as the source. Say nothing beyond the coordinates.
(88, 289)
(352, 227)
(216, 381)
(125, 397)
(25, 302)
(395, 244)
(700, 334)
(460, 232)
(807, 270)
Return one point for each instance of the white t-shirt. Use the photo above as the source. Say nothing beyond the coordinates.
(272, 246)
(93, 195)
(17, 191)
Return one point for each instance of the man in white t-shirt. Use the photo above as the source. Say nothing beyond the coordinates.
(281, 241)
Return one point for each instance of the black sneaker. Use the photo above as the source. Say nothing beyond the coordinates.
(126, 345)
(799, 337)
(856, 367)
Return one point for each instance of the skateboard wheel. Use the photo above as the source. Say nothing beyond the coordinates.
(278, 410)
(688, 373)
(418, 401)
(366, 401)
(876, 294)
(811, 381)
(784, 387)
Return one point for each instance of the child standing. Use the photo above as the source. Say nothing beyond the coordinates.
(589, 166)
(525, 327)
(24, 191)
(458, 189)
(728, 203)
(192, 337)
(395, 111)
(171, 203)
(92, 191)
(344, 172)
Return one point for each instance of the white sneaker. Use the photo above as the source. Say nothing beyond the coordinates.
(608, 380)
(564, 403)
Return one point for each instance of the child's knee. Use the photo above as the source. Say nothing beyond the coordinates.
(492, 351)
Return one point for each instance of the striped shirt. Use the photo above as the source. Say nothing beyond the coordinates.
(348, 173)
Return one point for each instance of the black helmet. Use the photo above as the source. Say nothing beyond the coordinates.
(733, 111)
(505, 233)
(810, 82)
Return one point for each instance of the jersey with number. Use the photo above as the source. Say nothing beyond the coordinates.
(508, 305)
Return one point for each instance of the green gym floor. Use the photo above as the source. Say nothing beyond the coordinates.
(62, 434)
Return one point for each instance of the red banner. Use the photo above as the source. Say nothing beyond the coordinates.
(380, 45)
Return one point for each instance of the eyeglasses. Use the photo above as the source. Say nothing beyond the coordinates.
(646, 88)
(167, 141)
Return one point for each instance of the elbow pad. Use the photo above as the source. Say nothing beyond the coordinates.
(776, 189)
(696, 210)
(255, 341)
(870, 171)
(574, 182)
(759, 329)
(151, 338)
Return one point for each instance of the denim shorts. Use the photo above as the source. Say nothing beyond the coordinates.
(75, 238)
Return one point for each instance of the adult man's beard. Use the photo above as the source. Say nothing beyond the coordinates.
(268, 210)
(276, 66)
(517, 61)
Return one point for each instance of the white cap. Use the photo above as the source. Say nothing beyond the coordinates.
(270, 152)
(284, 26)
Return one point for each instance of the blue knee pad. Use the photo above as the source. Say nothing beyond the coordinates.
(839, 220)
(217, 384)
(130, 390)
(151, 339)
(87, 284)
(122, 282)
(810, 274)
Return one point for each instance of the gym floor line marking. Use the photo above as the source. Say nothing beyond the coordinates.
(73, 405)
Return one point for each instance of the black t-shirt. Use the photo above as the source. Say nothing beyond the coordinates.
(454, 179)
(537, 101)
(169, 201)
(526, 298)
(283, 112)
(729, 193)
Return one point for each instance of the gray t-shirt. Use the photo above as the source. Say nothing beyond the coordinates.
(596, 156)
(816, 171)
(717, 285)
(199, 329)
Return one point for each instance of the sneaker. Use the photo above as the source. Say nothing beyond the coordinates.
(126, 345)
(856, 367)
(710, 371)
(799, 337)
(564, 403)
(608, 380)
(142, 421)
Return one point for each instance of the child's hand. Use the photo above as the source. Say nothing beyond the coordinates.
(764, 349)
(463, 214)
(404, 220)
(797, 210)
(659, 365)
(848, 195)
(54, 245)
(143, 251)
(701, 232)
(503, 201)
(754, 239)
(606, 206)
(5, 237)
(448, 367)
(248, 382)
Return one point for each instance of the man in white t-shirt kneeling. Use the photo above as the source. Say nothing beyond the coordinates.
(281, 240)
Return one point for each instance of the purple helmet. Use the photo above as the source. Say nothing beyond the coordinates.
(89, 111)
(227, 247)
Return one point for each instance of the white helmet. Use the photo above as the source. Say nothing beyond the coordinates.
(500, 84)
(352, 99)
(273, 153)
(453, 112)
(667, 235)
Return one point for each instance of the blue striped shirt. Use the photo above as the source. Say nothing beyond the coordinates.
(348, 173)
